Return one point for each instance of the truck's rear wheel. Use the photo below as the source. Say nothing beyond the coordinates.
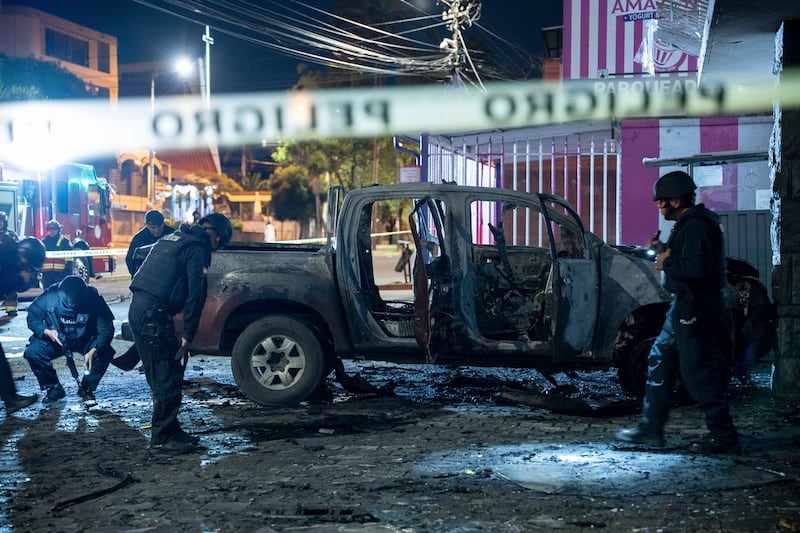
(632, 367)
(278, 360)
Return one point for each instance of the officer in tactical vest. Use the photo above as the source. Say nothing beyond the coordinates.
(170, 281)
(19, 271)
(68, 317)
(695, 337)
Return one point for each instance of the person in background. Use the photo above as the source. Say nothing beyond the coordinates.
(11, 302)
(172, 280)
(196, 216)
(694, 338)
(55, 268)
(79, 244)
(269, 232)
(154, 228)
(19, 271)
(67, 317)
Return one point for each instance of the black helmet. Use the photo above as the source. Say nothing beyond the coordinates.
(32, 250)
(53, 224)
(71, 291)
(676, 184)
(221, 225)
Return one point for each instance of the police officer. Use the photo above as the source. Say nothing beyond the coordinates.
(694, 337)
(68, 317)
(172, 280)
(19, 271)
(11, 298)
(55, 268)
(154, 228)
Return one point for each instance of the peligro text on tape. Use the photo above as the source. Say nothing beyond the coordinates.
(95, 252)
(72, 130)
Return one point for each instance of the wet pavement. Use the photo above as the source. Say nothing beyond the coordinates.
(449, 449)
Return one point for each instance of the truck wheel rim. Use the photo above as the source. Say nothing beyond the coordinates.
(278, 362)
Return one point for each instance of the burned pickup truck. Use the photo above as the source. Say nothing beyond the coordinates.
(498, 278)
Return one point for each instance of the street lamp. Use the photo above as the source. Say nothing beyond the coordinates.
(151, 169)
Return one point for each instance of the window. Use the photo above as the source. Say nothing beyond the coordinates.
(66, 47)
(103, 57)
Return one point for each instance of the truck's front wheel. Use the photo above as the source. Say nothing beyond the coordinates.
(278, 360)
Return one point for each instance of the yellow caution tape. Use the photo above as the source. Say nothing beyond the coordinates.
(63, 131)
(95, 252)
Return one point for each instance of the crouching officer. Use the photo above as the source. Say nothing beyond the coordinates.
(19, 271)
(67, 317)
(170, 281)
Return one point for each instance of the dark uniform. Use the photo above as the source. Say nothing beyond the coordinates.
(84, 322)
(11, 297)
(695, 337)
(695, 334)
(145, 237)
(55, 269)
(170, 281)
(11, 281)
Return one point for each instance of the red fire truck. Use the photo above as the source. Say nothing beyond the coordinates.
(70, 193)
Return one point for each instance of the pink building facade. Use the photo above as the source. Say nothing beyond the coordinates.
(610, 41)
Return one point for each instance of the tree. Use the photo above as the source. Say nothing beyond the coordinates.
(291, 196)
(30, 79)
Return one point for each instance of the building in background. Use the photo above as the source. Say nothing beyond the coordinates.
(88, 54)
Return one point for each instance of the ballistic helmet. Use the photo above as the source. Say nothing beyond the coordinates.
(71, 291)
(53, 224)
(221, 225)
(676, 184)
(32, 250)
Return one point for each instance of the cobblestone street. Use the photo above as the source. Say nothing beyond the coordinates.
(443, 454)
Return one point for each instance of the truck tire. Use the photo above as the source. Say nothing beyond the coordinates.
(632, 368)
(278, 360)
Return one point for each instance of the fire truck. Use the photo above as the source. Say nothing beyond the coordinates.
(70, 193)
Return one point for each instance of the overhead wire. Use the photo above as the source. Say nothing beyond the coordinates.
(304, 31)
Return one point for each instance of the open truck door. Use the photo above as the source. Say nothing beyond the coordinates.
(574, 280)
(426, 224)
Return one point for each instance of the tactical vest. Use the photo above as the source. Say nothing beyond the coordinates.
(163, 274)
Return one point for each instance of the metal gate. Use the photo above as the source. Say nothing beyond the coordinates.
(580, 166)
(747, 237)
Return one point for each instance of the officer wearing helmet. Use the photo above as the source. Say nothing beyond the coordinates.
(170, 281)
(68, 317)
(694, 337)
(20, 264)
(55, 268)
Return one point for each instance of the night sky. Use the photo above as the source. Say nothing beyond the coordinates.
(147, 34)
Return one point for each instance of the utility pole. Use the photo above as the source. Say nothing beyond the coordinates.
(205, 81)
(459, 15)
(209, 40)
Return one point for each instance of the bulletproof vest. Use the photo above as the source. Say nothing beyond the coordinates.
(717, 278)
(72, 322)
(163, 274)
